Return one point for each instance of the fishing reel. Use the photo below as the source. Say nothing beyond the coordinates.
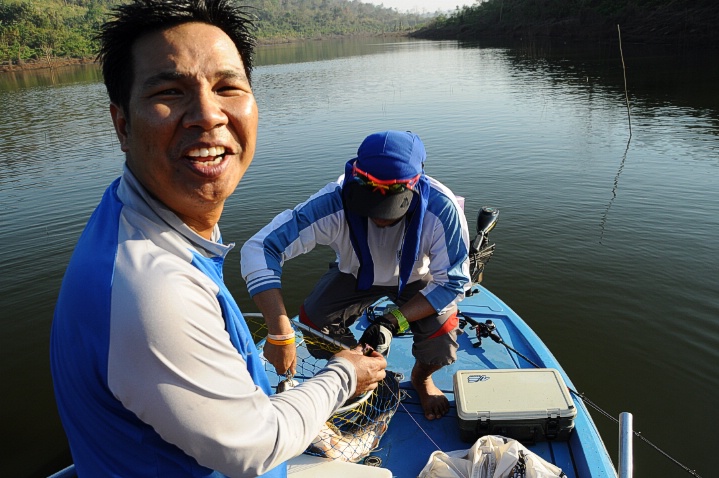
(484, 330)
(480, 250)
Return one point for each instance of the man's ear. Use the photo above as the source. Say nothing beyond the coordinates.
(121, 123)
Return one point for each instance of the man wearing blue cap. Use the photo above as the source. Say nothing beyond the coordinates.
(397, 233)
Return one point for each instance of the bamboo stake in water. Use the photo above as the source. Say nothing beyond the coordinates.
(624, 69)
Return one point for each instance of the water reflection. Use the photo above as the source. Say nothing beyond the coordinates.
(23, 79)
(296, 52)
(615, 187)
(608, 248)
(657, 75)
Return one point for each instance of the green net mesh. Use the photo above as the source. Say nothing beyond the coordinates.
(357, 427)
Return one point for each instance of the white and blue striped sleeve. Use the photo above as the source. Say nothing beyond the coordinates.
(449, 262)
(291, 233)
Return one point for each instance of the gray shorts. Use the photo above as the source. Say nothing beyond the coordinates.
(336, 300)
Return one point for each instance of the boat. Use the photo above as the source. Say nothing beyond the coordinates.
(494, 340)
(410, 439)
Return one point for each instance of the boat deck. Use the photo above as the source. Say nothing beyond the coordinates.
(411, 438)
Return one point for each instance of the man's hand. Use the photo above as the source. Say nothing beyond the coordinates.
(369, 366)
(272, 306)
(379, 334)
(282, 357)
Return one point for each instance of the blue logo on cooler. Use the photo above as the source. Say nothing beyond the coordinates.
(477, 378)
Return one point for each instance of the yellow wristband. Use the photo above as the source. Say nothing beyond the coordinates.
(401, 320)
(281, 337)
(280, 342)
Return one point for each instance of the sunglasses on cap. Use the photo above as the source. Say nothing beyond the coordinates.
(391, 186)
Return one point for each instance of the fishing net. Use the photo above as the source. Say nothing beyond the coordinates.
(357, 427)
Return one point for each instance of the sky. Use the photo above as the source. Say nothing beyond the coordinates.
(421, 5)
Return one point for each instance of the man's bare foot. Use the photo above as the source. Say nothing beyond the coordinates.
(434, 402)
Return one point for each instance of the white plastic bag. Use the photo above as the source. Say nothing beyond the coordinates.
(491, 456)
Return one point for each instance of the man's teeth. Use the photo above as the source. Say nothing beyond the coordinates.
(208, 162)
(207, 152)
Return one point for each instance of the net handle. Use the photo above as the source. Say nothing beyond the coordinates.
(309, 330)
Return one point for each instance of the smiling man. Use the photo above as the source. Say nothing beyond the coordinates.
(191, 123)
(154, 368)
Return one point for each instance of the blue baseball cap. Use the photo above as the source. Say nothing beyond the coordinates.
(381, 159)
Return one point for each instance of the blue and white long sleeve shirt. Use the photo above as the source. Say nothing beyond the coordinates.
(154, 368)
(442, 257)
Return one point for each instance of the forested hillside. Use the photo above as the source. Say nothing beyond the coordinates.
(681, 22)
(51, 29)
(47, 30)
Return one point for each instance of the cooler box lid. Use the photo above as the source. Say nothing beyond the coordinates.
(512, 394)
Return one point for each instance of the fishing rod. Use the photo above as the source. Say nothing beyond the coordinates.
(487, 329)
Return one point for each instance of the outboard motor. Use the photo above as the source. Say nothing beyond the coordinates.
(480, 250)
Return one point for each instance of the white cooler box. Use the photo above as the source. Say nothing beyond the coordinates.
(528, 405)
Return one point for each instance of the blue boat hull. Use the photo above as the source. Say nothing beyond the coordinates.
(410, 438)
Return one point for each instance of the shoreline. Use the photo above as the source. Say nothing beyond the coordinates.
(45, 64)
(690, 27)
(59, 62)
(562, 31)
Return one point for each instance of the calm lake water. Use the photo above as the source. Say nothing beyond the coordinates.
(607, 246)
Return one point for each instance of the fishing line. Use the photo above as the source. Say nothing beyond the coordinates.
(636, 434)
(371, 316)
(410, 415)
(488, 330)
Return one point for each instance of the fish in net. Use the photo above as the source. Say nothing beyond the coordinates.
(356, 428)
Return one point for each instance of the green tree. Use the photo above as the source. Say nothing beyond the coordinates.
(42, 29)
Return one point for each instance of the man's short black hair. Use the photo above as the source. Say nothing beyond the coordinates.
(141, 17)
